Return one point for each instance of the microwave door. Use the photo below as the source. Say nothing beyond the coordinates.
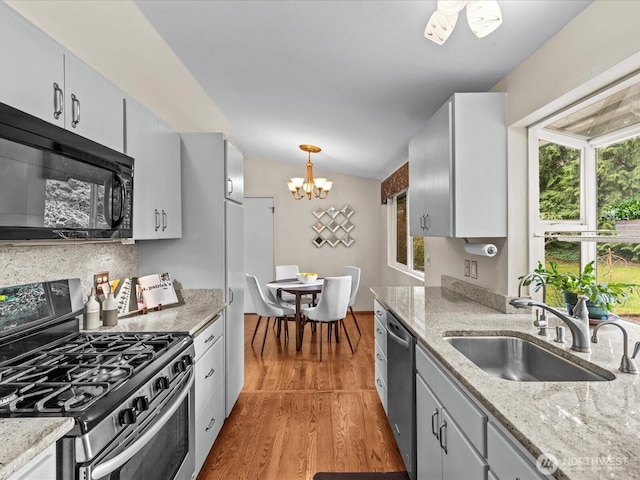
(114, 200)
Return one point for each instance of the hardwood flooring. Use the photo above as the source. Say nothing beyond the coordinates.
(297, 416)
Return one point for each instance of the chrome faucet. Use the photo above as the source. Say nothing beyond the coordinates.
(579, 326)
(541, 321)
(627, 365)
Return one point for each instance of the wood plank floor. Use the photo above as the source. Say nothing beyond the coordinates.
(297, 416)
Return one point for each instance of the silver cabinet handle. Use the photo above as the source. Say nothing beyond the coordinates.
(378, 356)
(156, 222)
(164, 220)
(422, 222)
(75, 110)
(230, 296)
(427, 222)
(379, 331)
(443, 430)
(211, 423)
(229, 186)
(58, 101)
(434, 416)
(211, 337)
(378, 382)
(211, 372)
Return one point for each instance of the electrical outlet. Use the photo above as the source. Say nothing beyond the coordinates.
(98, 280)
(474, 269)
(467, 268)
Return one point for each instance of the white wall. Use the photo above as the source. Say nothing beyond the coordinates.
(293, 221)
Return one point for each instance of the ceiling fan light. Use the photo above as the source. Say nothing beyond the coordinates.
(451, 7)
(484, 16)
(440, 26)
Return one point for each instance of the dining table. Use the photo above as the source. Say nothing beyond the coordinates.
(299, 289)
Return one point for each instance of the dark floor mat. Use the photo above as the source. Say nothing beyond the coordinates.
(361, 476)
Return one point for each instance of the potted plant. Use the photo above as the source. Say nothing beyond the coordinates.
(625, 213)
(603, 297)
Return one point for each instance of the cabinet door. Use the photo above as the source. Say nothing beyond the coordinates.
(428, 416)
(234, 326)
(437, 182)
(141, 136)
(31, 64)
(234, 170)
(93, 105)
(459, 458)
(506, 460)
(418, 175)
(208, 422)
(170, 197)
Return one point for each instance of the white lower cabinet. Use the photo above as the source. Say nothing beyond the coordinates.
(456, 438)
(506, 459)
(210, 388)
(380, 351)
(451, 430)
(41, 467)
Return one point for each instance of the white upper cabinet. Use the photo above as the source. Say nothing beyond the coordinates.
(32, 73)
(155, 147)
(458, 169)
(41, 78)
(93, 105)
(234, 172)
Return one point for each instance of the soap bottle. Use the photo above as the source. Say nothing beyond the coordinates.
(110, 311)
(91, 317)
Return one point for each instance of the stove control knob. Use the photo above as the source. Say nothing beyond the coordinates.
(141, 403)
(180, 366)
(162, 383)
(187, 359)
(128, 416)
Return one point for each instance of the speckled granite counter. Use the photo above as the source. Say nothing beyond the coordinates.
(24, 438)
(592, 428)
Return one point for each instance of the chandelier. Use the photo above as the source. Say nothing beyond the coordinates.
(483, 16)
(319, 187)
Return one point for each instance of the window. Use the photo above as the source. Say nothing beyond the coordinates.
(406, 253)
(584, 161)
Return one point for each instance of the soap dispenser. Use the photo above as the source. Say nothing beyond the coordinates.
(91, 317)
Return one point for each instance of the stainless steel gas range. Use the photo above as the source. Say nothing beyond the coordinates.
(131, 394)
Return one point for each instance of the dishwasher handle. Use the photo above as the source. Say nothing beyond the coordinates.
(400, 341)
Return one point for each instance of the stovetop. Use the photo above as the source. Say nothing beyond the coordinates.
(69, 376)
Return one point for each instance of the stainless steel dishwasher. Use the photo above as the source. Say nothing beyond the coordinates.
(401, 376)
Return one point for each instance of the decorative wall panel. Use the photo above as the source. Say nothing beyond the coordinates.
(332, 226)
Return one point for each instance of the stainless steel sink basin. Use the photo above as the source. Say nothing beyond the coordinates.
(520, 360)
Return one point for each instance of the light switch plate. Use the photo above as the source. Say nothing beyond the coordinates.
(474, 269)
(467, 268)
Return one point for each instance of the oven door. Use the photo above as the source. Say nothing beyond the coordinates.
(162, 449)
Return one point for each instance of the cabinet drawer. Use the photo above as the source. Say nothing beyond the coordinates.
(381, 387)
(381, 361)
(208, 422)
(505, 459)
(209, 373)
(380, 330)
(380, 312)
(41, 467)
(206, 337)
(464, 411)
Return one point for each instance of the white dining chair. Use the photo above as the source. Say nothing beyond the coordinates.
(267, 309)
(332, 307)
(354, 273)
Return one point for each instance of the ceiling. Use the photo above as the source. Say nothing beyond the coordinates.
(356, 78)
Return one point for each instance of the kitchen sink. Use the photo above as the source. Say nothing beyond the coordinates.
(521, 360)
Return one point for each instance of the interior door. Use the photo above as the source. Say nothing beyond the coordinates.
(258, 253)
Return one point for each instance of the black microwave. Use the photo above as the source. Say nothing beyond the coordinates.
(55, 184)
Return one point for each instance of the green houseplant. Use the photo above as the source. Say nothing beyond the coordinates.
(603, 297)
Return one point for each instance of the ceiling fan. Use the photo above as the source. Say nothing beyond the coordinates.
(483, 16)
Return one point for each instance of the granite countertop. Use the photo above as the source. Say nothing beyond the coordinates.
(592, 428)
(24, 438)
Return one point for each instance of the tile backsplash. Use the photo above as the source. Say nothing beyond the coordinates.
(29, 264)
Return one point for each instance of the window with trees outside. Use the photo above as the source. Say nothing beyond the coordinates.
(585, 189)
(406, 253)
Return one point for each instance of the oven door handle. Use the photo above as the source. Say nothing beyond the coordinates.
(105, 468)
